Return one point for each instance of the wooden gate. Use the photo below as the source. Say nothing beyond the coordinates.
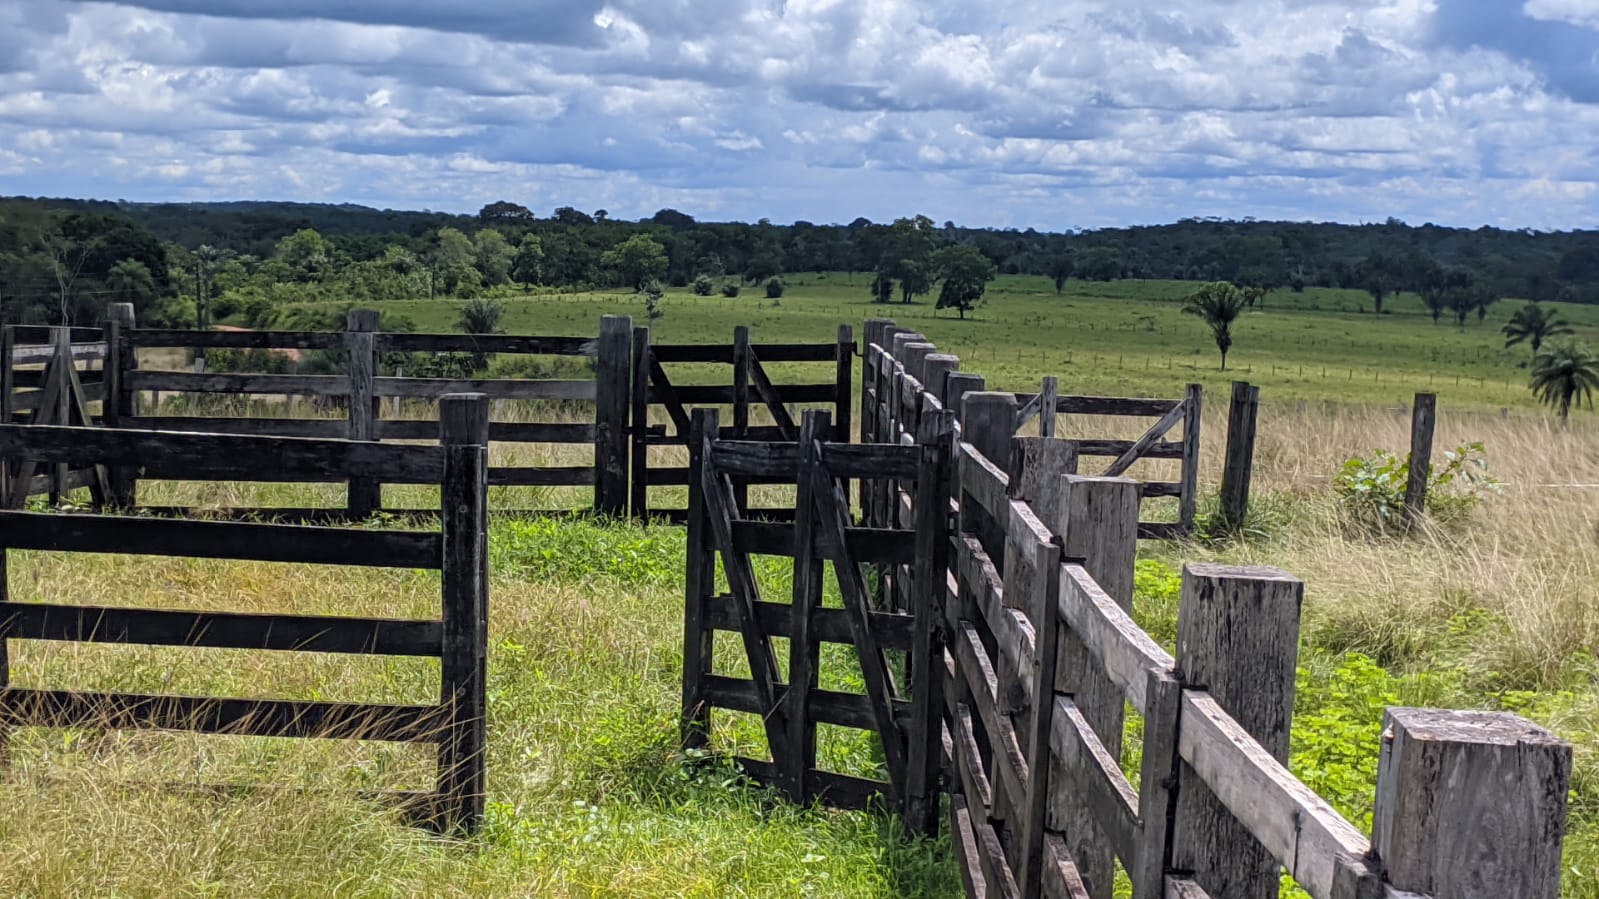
(753, 393)
(42, 384)
(894, 649)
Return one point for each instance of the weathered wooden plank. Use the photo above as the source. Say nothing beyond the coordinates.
(983, 480)
(535, 476)
(1159, 771)
(881, 546)
(233, 382)
(1109, 635)
(219, 540)
(638, 401)
(613, 384)
(748, 458)
(487, 343)
(1145, 441)
(1135, 407)
(804, 647)
(843, 379)
(710, 394)
(1188, 489)
(236, 340)
(1061, 879)
(768, 394)
(494, 388)
(1297, 828)
(1095, 776)
(365, 494)
(254, 427)
(225, 630)
(935, 440)
(1422, 418)
(829, 624)
(831, 789)
(1240, 460)
(964, 843)
(252, 717)
(210, 456)
(822, 706)
(699, 583)
(722, 352)
(499, 431)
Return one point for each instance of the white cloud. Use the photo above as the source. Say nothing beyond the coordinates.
(1017, 112)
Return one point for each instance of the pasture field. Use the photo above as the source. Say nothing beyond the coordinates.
(1126, 338)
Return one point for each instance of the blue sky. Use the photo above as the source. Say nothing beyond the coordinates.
(1005, 113)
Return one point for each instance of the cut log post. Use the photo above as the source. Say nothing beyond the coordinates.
(699, 582)
(1241, 416)
(930, 585)
(1238, 639)
(1188, 482)
(360, 339)
(1423, 416)
(1048, 395)
(844, 391)
(987, 422)
(936, 369)
(1470, 804)
(1097, 519)
(613, 396)
(464, 432)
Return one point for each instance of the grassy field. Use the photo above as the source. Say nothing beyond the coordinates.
(589, 796)
(1118, 337)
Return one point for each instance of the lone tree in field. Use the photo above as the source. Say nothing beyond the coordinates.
(1219, 304)
(966, 273)
(1533, 325)
(1061, 268)
(1568, 372)
(480, 316)
(1378, 277)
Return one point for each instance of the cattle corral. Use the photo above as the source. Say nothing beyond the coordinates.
(1022, 584)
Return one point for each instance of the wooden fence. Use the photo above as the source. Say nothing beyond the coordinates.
(50, 375)
(900, 364)
(751, 391)
(1024, 661)
(820, 533)
(459, 465)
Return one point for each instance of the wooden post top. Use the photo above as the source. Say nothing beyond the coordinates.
(464, 419)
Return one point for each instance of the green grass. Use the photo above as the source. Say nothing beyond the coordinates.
(588, 792)
(1119, 337)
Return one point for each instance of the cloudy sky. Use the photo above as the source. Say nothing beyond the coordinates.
(1006, 112)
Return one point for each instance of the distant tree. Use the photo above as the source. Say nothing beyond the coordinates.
(480, 316)
(494, 257)
(636, 262)
(1060, 268)
(673, 219)
(131, 282)
(764, 264)
(1219, 304)
(882, 287)
(730, 289)
(965, 273)
(1100, 264)
(504, 212)
(1378, 277)
(528, 266)
(602, 215)
(1531, 324)
(306, 253)
(568, 216)
(774, 288)
(652, 295)
(703, 286)
(1565, 373)
(455, 248)
(907, 256)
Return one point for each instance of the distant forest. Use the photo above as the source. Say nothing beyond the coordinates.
(183, 263)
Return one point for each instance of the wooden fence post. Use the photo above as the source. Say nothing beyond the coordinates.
(62, 362)
(1048, 405)
(845, 392)
(1188, 481)
(639, 477)
(804, 650)
(8, 387)
(613, 389)
(699, 582)
(1238, 638)
(987, 422)
(120, 402)
(1241, 415)
(927, 673)
(464, 432)
(360, 337)
(1097, 519)
(1422, 419)
(741, 404)
(1470, 804)
(869, 373)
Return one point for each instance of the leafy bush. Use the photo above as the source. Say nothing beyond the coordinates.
(730, 290)
(774, 288)
(703, 286)
(1371, 489)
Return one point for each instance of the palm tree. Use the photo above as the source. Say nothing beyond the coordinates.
(1532, 324)
(1219, 304)
(1567, 372)
(131, 281)
(480, 315)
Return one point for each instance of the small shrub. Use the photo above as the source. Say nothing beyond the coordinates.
(1371, 489)
(703, 286)
(774, 288)
(730, 290)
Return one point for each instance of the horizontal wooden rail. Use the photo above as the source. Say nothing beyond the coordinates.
(514, 344)
(211, 456)
(235, 340)
(852, 710)
(220, 630)
(767, 352)
(1131, 407)
(230, 382)
(1126, 653)
(581, 476)
(751, 458)
(493, 388)
(878, 546)
(708, 394)
(502, 431)
(332, 428)
(834, 790)
(244, 717)
(830, 625)
(220, 540)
